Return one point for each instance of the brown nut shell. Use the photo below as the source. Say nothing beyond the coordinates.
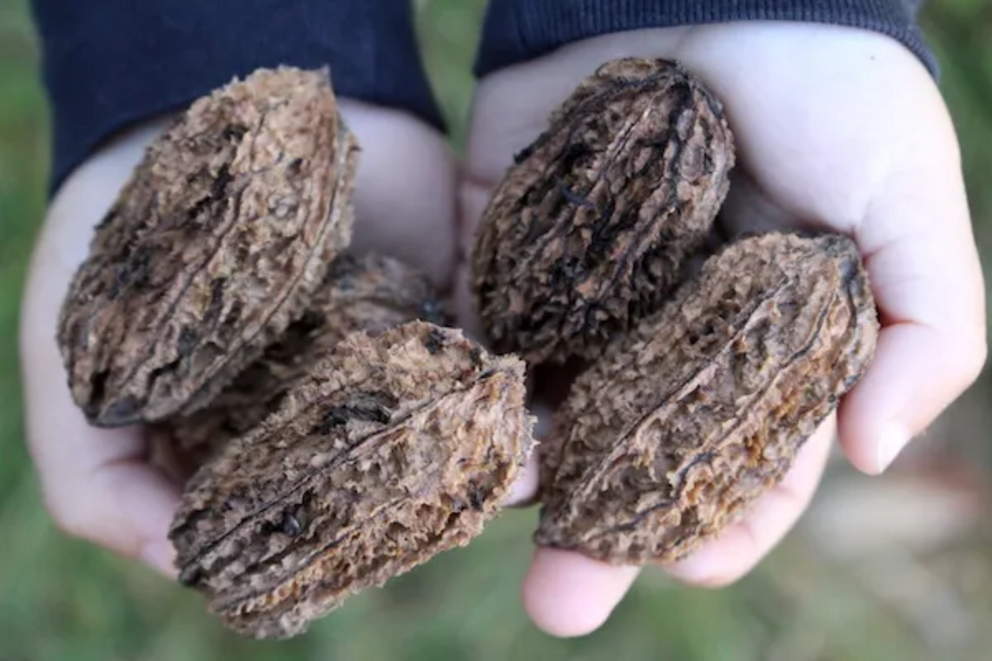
(372, 293)
(213, 247)
(592, 226)
(679, 427)
(396, 448)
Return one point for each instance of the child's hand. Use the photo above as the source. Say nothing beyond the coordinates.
(838, 129)
(101, 484)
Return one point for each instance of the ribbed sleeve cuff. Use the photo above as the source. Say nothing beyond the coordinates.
(519, 30)
(111, 63)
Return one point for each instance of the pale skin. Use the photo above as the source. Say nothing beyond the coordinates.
(837, 129)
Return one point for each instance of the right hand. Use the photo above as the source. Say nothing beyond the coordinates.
(837, 129)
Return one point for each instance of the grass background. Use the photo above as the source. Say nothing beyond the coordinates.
(874, 572)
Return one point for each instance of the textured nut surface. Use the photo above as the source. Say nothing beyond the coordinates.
(372, 293)
(396, 448)
(591, 227)
(212, 248)
(667, 439)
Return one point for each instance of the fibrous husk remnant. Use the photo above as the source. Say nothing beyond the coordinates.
(591, 228)
(679, 427)
(212, 249)
(396, 448)
(372, 293)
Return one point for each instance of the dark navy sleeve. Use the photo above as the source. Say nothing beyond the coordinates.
(519, 30)
(111, 63)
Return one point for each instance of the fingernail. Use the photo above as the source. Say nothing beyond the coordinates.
(890, 444)
(161, 556)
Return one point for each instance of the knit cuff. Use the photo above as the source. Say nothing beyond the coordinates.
(520, 30)
(113, 63)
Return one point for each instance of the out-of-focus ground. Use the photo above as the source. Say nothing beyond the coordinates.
(897, 568)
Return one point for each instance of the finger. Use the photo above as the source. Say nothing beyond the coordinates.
(927, 282)
(567, 594)
(124, 504)
(743, 545)
(97, 483)
(404, 190)
(564, 593)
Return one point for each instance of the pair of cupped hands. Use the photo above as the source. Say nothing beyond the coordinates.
(837, 129)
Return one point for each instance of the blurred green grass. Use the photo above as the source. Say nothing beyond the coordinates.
(62, 599)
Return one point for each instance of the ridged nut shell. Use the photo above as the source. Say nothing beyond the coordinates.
(213, 247)
(396, 448)
(593, 225)
(681, 425)
(372, 293)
